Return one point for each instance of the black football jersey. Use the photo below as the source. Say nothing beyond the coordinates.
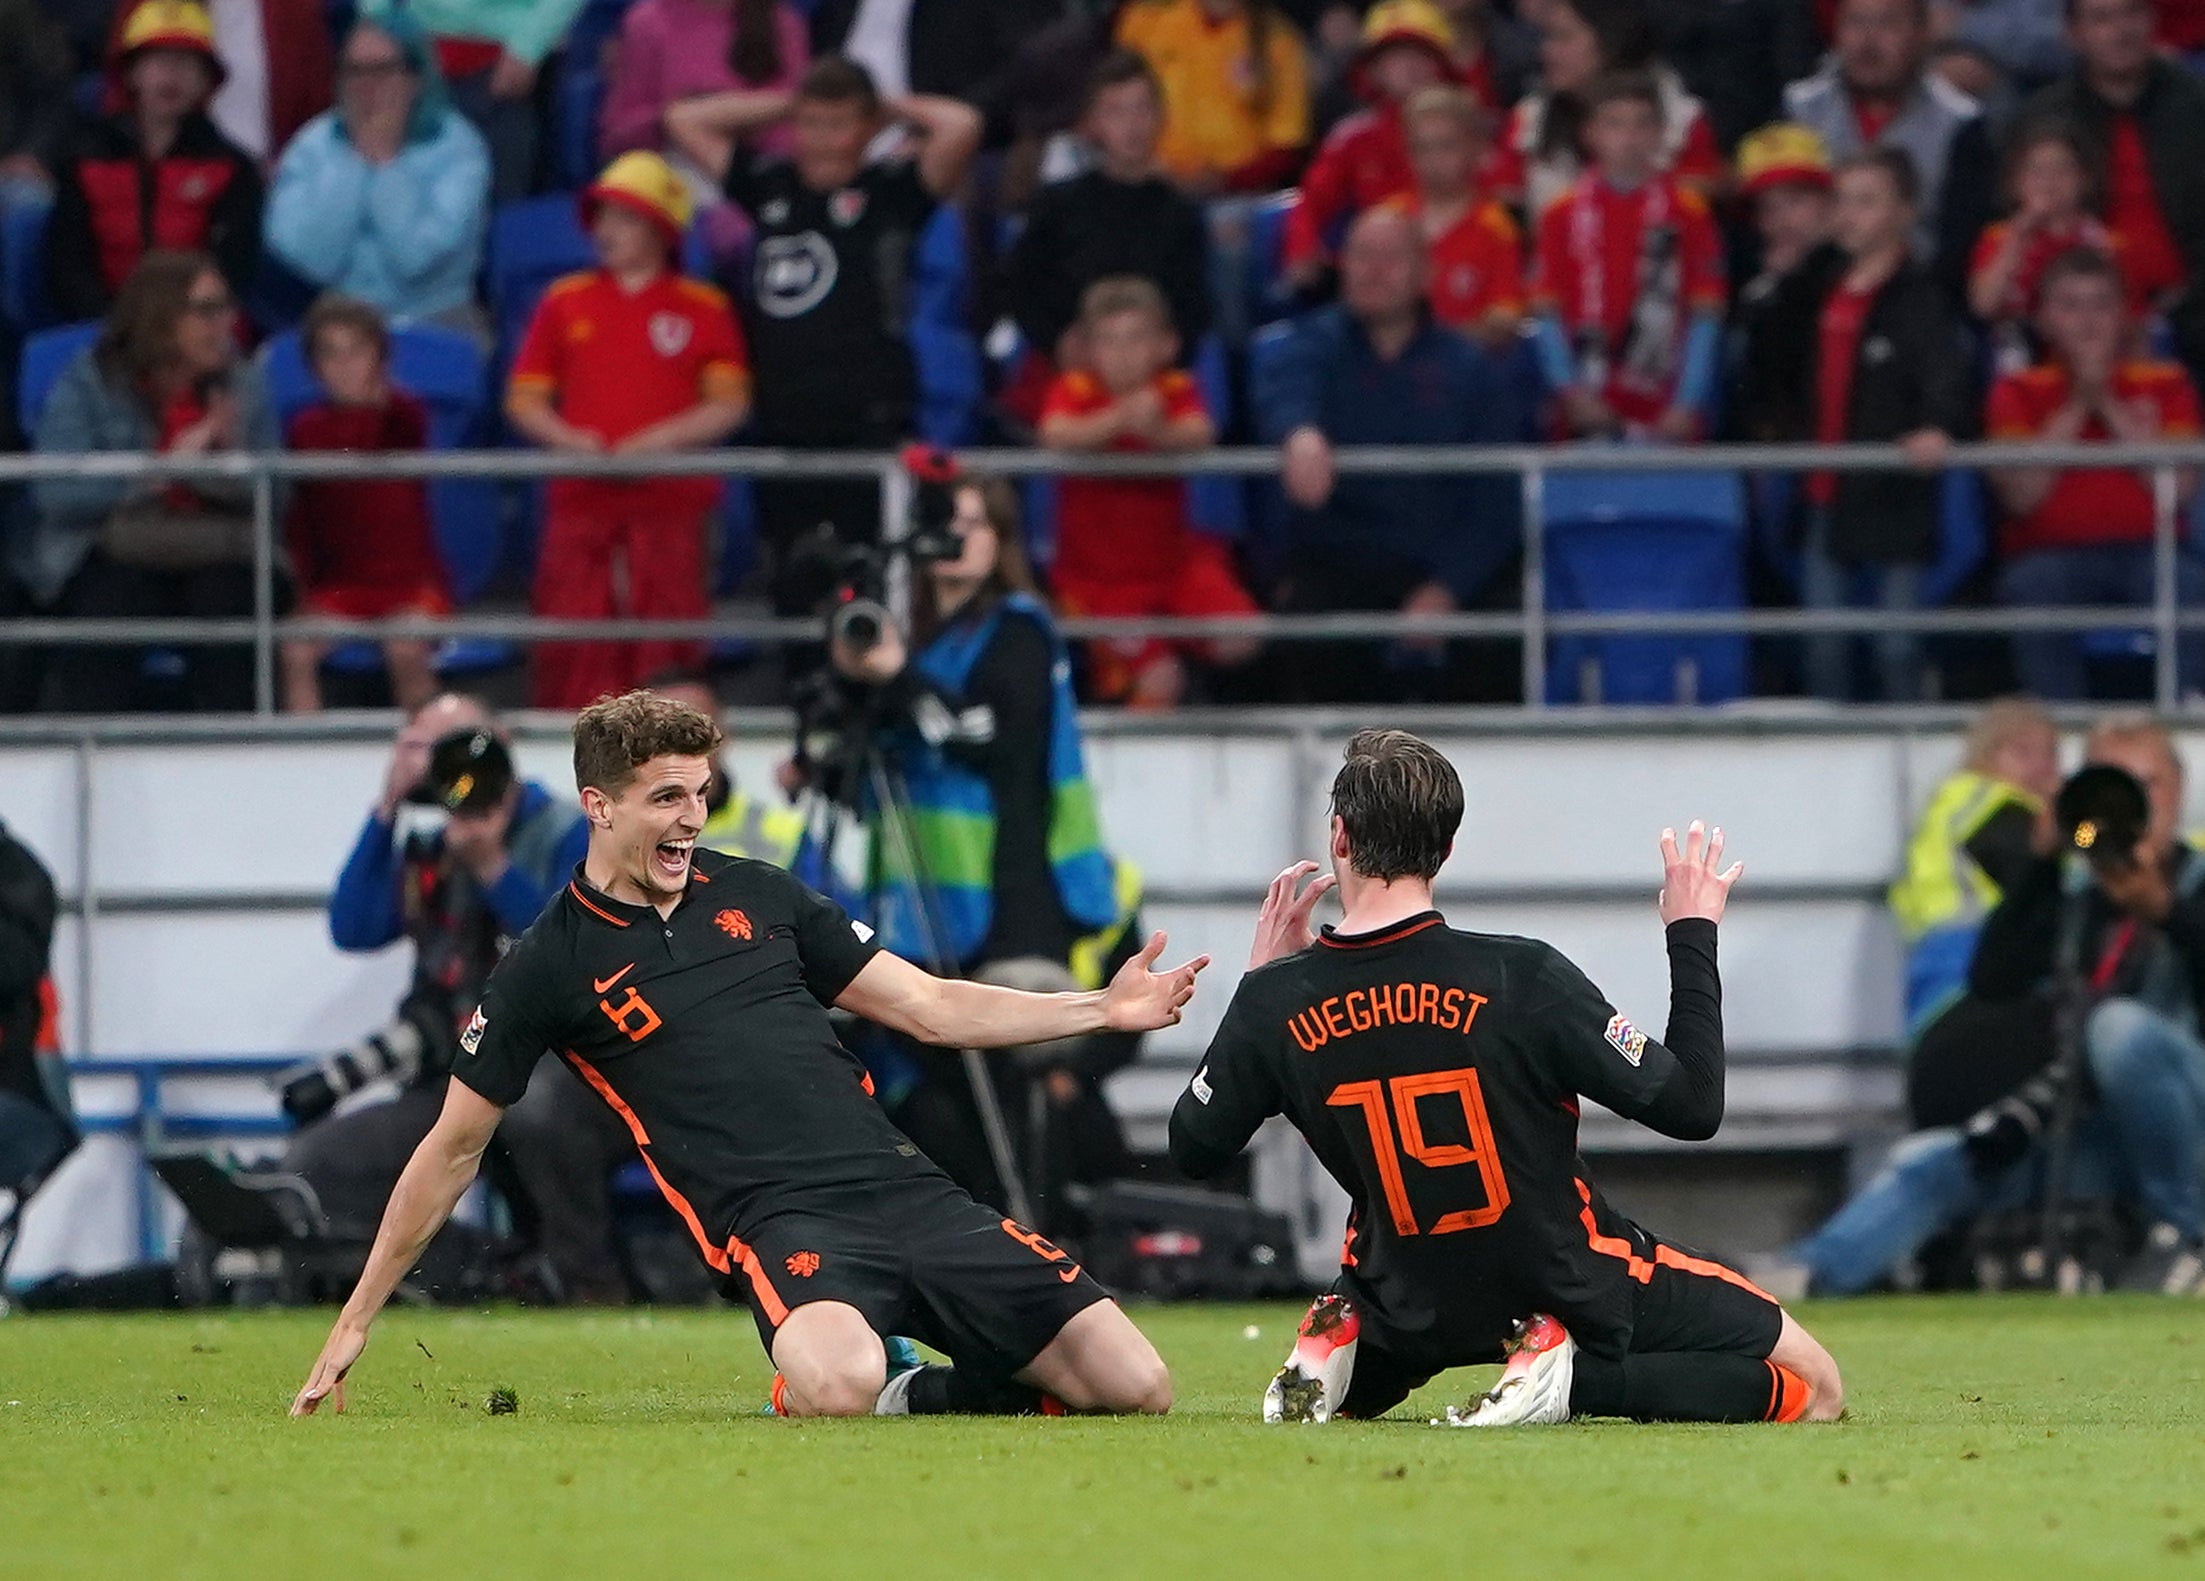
(1436, 1073)
(707, 1032)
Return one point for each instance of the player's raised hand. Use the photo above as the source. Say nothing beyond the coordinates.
(1282, 926)
(1142, 999)
(327, 1380)
(1692, 881)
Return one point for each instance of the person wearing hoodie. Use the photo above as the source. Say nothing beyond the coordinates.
(385, 198)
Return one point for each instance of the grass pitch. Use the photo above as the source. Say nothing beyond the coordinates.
(2004, 1438)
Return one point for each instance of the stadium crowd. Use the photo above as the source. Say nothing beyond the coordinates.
(1158, 225)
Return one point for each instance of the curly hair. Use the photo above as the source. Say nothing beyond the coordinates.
(615, 736)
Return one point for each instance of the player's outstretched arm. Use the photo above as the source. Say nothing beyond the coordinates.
(1692, 882)
(893, 993)
(434, 1180)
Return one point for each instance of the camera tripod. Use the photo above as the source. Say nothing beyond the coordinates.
(860, 767)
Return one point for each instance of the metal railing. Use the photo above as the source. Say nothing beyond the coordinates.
(1534, 623)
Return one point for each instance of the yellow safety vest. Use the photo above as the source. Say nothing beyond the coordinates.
(1943, 886)
(748, 827)
(1091, 953)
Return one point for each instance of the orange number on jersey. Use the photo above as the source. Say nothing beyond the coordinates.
(1407, 1092)
(633, 1015)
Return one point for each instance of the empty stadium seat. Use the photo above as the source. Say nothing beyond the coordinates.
(1269, 297)
(945, 354)
(23, 265)
(1645, 541)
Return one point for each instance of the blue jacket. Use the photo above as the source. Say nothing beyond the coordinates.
(406, 236)
(366, 908)
(1442, 390)
(86, 413)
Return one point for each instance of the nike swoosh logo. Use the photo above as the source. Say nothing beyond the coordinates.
(598, 987)
(1069, 1274)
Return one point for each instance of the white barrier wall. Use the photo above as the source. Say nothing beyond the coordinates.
(200, 931)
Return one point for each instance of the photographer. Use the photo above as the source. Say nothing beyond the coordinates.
(461, 894)
(2137, 917)
(977, 719)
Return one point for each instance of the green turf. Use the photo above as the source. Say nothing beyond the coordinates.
(2002, 1438)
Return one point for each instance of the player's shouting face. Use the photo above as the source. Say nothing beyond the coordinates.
(646, 833)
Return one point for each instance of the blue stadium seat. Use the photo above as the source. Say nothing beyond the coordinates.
(45, 353)
(580, 97)
(1269, 298)
(534, 241)
(944, 352)
(1654, 541)
(23, 265)
(1216, 505)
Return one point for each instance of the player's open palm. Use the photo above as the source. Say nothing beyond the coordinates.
(1142, 999)
(1693, 881)
(327, 1380)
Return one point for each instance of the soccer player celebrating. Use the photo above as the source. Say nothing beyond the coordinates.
(1437, 1075)
(689, 990)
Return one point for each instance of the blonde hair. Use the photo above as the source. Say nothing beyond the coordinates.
(2000, 723)
(1445, 101)
(1124, 293)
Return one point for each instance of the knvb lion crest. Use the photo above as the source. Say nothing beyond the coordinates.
(733, 923)
(803, 1264)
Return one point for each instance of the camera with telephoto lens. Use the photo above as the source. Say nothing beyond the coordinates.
(470, 770)
(2102, 813)
(850, 585)
(393, 1052)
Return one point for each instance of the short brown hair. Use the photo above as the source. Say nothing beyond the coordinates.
(837, 79)
(1115, 70)
(615, 736)
(1123, 293)
(2083, 263)
(1895, 164)
(1631, 85)
(1400, 801)
(335, 310)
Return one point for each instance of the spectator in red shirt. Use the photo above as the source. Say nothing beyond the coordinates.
(1477, 253)
(155, 173)
(361, 548)
(1861, 344)
(1627, 282)
(626, 359)
(2076, 535)
(1541, 152)
(2048, 183)
(1124, 546)
(2142, 118)
(1407, 46)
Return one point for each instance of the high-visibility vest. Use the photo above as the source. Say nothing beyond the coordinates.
(1943, 886)
(747, 826)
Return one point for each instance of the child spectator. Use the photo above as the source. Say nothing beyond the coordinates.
(1477, 264)
(1123, 544)
(1407, 46)
(1120, 218)
(1862, 345)
(2048, 183)
(1784, 178)
(1541, 152)
(1628, 282)
(1236, 90)
(626, 359)
(386, 197)
(361, 548)
(155, 173)
(827, 306)
(2077, 535)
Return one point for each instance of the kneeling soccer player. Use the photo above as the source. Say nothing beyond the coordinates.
(1437, 1073)
(689, 990)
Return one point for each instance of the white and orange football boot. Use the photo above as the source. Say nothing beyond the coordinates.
(1310, 1387)
(1534, 1386)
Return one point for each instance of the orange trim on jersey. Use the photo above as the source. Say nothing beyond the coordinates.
(722, 1259)
(1664, 1256)
(866, 1081)
(575, 890)
(1789, 1394)
(696, 877)
(1379, 938)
